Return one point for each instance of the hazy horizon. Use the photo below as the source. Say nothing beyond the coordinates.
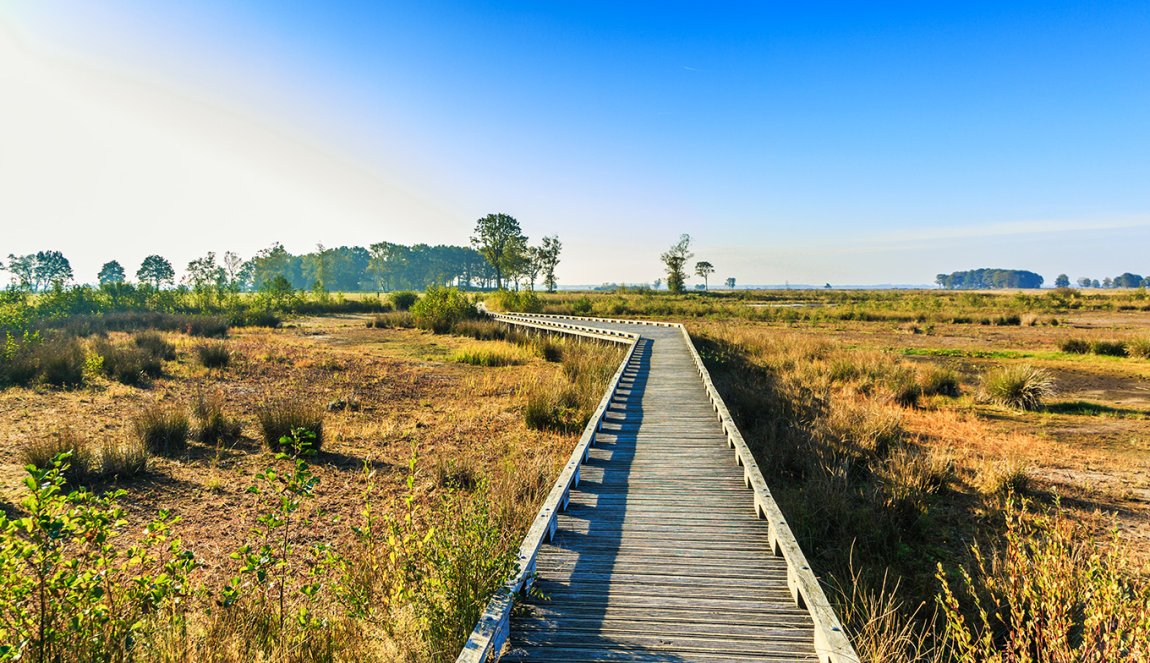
(822, 143)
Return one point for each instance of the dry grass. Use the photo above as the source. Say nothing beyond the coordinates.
(42, 452)
(163, 429)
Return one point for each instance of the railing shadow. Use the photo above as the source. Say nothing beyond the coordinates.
(569, 612)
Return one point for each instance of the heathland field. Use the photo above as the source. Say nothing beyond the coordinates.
(912, 437)
(967, 472)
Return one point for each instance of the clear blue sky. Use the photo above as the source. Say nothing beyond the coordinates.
(810, 142)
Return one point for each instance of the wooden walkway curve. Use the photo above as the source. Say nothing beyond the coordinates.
(654, 548)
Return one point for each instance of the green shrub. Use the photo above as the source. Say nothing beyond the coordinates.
(214, 355)
(257, 318)
(281, 418)
(155, 344)
(42, 453)
(60, 362)
(940, 381)
(72, 591)
(441, 308)
(1108, 348)
(1021, 387)
(1049, 592)
(163, 429)
(403, 300)
(127, 364)
(1075, 346)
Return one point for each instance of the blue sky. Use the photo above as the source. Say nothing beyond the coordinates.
(806, 142)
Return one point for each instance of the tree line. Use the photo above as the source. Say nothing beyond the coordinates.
(1123, 280)
(986, 278)
(500, 255)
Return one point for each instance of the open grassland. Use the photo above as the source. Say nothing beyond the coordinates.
(382, 544)
(915, 437)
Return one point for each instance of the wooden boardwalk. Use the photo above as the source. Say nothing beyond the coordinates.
(661, 553)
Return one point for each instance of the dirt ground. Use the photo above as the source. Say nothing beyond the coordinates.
(389, 395)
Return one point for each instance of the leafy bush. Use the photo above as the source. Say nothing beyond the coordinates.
(1021, 387)
(257, 318)
(70, 594)
(60, 361)
(282, 418)
(1050, 590)
(214, 355)
(1108, 348)
(163, 429)
(403, 300)
(1074, 346)
(155, 344)
(526, 301)
(127, 364)
(441, 308)
(42, 453)
(18, 363)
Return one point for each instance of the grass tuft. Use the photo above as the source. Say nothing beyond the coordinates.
(1021, 387)
(163, 429)
(122, 460)
(155, 344)
(280, 417)
(61, 362)
(42, 451)
(127, 364)
(214, 355)
(940, 381)
(212, 425)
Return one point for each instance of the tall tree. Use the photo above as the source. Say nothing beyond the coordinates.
(23, 270)
(111, 273)
(731, 282)
(705, 269)
(502, 242)
(1062, 281)
(52, 269)
(549, 250)
(676, 259)
(156, 270)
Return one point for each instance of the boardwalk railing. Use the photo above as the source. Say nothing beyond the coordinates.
(492, 630)
(831, 642)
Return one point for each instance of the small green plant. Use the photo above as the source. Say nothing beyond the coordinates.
(70, 593)
(1021, 387)
(163, 429)
(279, 418)
(269, 567)
(214, 355)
